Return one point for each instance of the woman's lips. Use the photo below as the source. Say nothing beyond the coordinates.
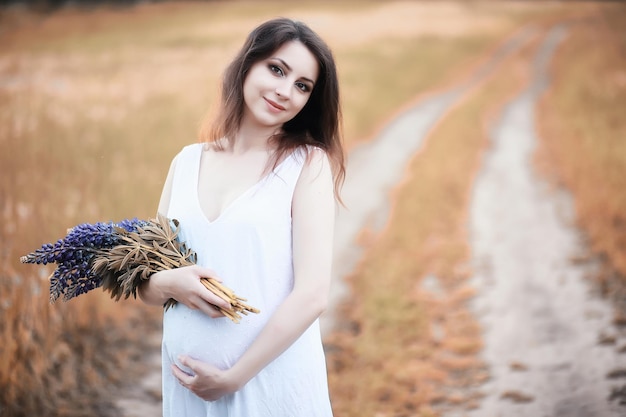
(274, 105)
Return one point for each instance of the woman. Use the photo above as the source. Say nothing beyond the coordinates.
(257, 204)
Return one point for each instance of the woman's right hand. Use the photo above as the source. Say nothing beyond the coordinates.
(183, 285)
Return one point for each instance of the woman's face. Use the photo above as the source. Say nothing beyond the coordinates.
(278, 87)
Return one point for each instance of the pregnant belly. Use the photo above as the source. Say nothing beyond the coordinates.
(216, 341)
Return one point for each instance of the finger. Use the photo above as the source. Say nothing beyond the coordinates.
(210, 310)
(183, 377)
(213, 299)
(198, 367)
(196, 302)
(191, 363)
(186, 361)
(207, 273)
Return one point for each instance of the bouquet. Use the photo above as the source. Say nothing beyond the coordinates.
(119, 256)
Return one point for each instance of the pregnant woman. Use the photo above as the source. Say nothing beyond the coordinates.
(256, 200)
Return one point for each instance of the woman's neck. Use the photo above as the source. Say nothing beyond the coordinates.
(251, 138)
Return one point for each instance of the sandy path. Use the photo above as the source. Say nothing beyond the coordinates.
(543, 327)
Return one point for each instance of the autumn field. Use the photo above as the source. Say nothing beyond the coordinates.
(95, 103)
(584, 128)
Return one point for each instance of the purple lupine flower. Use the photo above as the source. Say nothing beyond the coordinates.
(75, 253)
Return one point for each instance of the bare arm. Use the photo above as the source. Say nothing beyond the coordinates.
(313, 211)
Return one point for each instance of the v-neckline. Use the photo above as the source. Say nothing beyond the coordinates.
(243, 194)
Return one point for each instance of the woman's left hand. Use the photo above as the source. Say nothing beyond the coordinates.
(208, 382)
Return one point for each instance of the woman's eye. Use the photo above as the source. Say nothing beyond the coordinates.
(302, 86)
(275, 69)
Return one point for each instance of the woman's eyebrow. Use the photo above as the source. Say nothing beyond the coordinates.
(289, 69)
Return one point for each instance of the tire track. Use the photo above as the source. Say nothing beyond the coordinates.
(543, 328)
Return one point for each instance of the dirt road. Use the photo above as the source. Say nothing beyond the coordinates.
(550, 344)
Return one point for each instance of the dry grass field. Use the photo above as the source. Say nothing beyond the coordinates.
(95, 103)
(583, 130)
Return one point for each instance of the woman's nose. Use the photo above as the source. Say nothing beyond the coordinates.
(283, 90)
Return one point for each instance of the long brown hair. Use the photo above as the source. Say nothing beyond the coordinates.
(317, 124)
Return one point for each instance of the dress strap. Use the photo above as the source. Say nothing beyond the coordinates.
(290, 169)
(184, 182)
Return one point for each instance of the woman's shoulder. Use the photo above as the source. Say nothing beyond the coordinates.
(309, 153)
(193, 148)
(188, 151)
(313, 160)
(313, 157)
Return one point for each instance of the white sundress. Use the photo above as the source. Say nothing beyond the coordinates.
(250, 247)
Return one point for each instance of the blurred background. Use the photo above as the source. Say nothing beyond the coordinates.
(96, 98)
